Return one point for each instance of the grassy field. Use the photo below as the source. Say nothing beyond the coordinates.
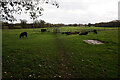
(56, 55)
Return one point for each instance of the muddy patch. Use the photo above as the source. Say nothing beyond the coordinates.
(93, 42)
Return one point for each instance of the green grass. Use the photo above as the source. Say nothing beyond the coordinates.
(39, 55)
(90, 61)
(72, 29)
(36, 54)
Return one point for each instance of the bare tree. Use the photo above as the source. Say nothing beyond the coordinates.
(23, 23)
(42, 23)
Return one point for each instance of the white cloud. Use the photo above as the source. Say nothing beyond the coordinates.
(81, 11)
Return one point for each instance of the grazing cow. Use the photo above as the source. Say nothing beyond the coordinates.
(95, 31)
(77, 32)
(23, 34)
(84, 33)
(43, 30)
(62, 32)
(68, 33)
(73, 33)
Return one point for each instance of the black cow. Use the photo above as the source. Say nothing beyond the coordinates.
(84, 33)
(43, 30)
(23, 34)
(73, 33)
(77, 32)
(68, 33)
(95, 31)
(62, 32)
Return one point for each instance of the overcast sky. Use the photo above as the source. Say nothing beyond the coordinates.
(79, 11)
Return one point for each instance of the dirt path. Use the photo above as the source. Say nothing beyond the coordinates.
(64, 68)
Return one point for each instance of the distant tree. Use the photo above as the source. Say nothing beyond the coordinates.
(23, 23)
(85, 25)
(36, 24)
(42, 23)
(48, 25)
(60, 25)
(89, 24)
(69, 24)
(4, 25)
(75, 25)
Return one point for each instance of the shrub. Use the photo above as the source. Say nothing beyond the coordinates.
(17, 27)
(4, 27)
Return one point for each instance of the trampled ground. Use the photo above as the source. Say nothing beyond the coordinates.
(51, 55)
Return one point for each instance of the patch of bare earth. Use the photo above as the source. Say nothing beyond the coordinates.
(93, 42)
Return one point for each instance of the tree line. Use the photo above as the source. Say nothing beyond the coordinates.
(24, 24)
(115, 23)
(43, 24)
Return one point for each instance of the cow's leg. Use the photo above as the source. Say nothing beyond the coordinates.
(26, 35)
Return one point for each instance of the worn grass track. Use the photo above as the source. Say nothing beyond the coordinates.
(64, 68)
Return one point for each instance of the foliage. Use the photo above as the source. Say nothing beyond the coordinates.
(89, 24)
(9, 7)
(115, 23)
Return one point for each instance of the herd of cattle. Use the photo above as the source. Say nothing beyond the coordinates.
(67, 33)
(83, 33)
